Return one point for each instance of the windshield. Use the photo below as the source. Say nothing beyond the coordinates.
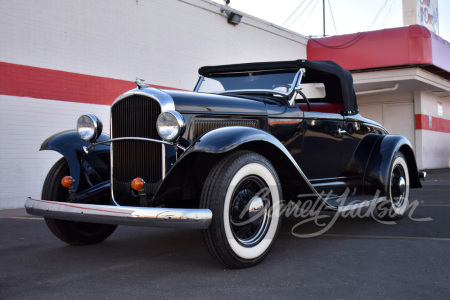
(260, 80)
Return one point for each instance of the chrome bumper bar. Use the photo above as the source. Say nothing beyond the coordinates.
(121, 215)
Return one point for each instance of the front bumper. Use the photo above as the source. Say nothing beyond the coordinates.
(121, 215)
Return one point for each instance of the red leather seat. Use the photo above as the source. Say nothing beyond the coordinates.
(333, 108)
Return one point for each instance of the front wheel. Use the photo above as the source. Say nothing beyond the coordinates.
(243, 192)
(398, 190)
(73, 233)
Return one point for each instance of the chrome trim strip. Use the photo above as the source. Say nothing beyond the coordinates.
(322, 116)
(250, 70)
(164, 99)
(111, 158)
(294, 85)
(254, 91)
(121, 215)
(328, 184)
(163, 159)
(200, 80)
(360, 205)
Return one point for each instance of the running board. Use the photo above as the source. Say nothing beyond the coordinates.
(351, 203)
(356, 205)
(121, 215)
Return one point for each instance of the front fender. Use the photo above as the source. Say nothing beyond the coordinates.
(86, 169)
(378, 167)
(226, 139)
(205, 152)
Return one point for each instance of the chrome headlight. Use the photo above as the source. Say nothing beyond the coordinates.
(89, 127)
(170, 125)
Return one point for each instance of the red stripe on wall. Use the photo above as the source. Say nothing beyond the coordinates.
(26, 81)
(437, 124)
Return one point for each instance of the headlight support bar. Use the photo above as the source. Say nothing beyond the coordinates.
(92, 145)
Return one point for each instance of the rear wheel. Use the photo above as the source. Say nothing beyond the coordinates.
(73, 233)
(398, 190)
(243, 192)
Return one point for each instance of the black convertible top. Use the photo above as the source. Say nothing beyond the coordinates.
(338, 81)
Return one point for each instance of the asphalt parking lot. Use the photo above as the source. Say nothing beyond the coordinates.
(358, 258)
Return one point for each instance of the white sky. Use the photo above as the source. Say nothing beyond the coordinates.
(350, 16)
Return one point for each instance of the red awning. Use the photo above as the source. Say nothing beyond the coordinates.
(394, 47)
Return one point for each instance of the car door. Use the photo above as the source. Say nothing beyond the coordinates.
(321, 156)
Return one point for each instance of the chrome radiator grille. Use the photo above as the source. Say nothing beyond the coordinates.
(135, 116)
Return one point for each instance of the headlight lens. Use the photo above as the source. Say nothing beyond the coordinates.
(89, 127)
(170, 125)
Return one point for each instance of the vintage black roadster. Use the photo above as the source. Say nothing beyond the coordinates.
(226, 158)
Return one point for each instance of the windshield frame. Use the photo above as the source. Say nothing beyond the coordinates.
(294, 84)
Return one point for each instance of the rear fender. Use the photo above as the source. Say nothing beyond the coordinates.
(357, 165)
(86, 169)
(376, 175)
(194, 165)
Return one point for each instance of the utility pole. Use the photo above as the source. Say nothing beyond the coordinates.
(323, 17)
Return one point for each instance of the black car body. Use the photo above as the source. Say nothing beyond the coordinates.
(226, 158)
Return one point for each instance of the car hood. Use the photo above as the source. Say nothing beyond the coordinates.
(191, 102)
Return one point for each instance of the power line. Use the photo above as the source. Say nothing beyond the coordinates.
(346, 44)
(378, 14)
(388, 17)
(332, 17)
(293, 12)
(317, 1)
(301, 13)
(358, 37)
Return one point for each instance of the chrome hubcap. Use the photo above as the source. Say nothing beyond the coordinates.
(402, 185)
(398, 186)
(250, 213)
(255, 208)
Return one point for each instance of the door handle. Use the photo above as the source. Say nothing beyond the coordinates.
(340, 132)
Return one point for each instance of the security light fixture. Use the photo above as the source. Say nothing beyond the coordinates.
(233, 18)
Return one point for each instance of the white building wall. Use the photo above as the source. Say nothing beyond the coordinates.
(25, 124)
(399, 113)
(163, 41)
(394, 111)
(433, 145)
(435, 151)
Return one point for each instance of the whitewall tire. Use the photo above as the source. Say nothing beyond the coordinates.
(398, 190)
(243, 191)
